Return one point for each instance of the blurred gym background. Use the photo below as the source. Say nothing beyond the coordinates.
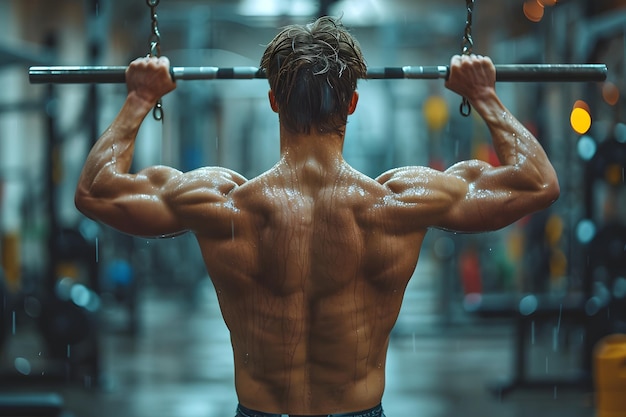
(94, 322)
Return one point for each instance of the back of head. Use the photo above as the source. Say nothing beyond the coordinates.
(313, 72)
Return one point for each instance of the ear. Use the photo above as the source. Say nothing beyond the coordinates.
(273, 103)
(353, 102)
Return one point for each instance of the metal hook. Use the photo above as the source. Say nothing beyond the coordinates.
(157, 112)
(466, 108)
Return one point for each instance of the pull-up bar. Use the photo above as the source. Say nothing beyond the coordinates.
(513, 73)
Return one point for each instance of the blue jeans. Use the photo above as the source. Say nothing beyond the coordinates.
(372, 412)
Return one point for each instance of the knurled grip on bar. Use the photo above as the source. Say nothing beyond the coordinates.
(511, 73)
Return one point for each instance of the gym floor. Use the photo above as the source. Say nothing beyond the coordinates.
(179, 364)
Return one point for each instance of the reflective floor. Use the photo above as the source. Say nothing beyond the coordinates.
(179, 364)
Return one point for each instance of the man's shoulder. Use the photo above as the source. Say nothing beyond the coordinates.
(216, 174)
(416, 172)
(209, 184)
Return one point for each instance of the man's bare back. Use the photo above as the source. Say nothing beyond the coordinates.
(310, 282)
(310, 260)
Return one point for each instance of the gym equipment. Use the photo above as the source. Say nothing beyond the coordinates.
(31, 405)
(610, 154)
(610, 376)
(71, 245)
(63, 323)
(3, 310)
(65, 319)
(519, 72)
(512, 72)
(608, 248)
(155, 49)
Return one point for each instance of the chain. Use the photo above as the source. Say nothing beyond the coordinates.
(467, 49)
(468, 42)
(155, 50)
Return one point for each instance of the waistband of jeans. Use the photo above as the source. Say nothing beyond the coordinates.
(372, 412)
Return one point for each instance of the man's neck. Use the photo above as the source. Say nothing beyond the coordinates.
(324, 149)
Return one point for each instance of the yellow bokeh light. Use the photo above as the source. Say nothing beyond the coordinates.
(436, 112)
(554, 230)
(580, 120)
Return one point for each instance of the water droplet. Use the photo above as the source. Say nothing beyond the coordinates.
(97, 251)
(68, 351)
(532, 332)
(13, 322)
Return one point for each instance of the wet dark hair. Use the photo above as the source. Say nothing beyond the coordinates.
(313, 72)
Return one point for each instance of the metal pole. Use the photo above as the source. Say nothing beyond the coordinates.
(512, 73)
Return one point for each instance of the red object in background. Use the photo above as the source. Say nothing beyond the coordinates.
(469, 268)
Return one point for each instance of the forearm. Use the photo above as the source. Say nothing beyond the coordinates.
(515, 146)
(112, 154)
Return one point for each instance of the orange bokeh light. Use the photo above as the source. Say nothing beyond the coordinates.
(610, 93)
(581, 104)
(614, 174)
(533, 10)
(547, 3)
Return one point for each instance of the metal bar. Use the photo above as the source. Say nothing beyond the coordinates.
(551, 72)
(513, 72)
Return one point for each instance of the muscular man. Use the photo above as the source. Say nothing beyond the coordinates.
(310, 259)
